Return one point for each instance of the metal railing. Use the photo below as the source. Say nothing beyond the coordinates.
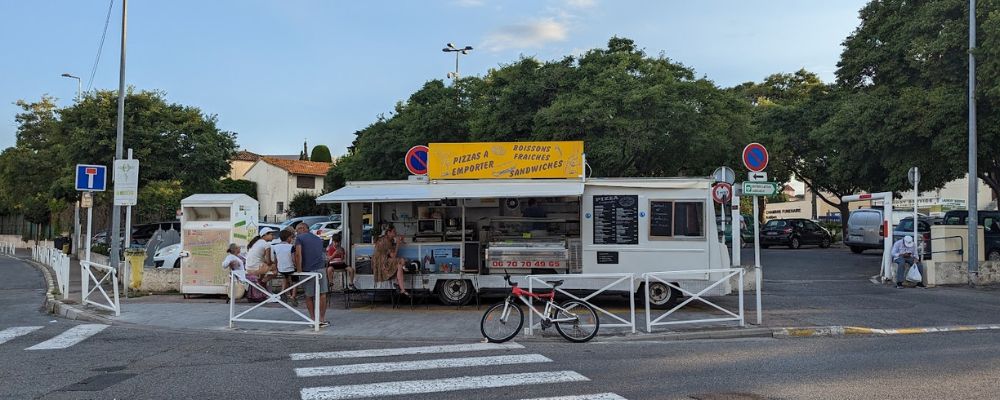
(238, 277)
(616, 280)
(658, 277)
(59, 263)
(87, 276)
(7, 248)
(960, 250)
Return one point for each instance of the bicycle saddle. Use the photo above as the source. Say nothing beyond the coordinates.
(555, 284)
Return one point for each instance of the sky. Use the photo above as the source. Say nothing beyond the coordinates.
(282, 72)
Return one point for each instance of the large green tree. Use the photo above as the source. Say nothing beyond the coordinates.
(906, 70)
(173, 142)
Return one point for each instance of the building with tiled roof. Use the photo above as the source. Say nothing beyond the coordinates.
(279, 180)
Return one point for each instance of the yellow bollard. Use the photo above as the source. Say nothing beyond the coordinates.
(136, 257)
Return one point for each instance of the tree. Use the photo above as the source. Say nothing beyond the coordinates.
(909, 60)
(304, 203)
(321, 153)
(172, 141)
(227, 185)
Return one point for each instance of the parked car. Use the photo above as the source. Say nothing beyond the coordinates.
(794, 233)
(142, 233)
(905, 228)
(990, 220)
(746, 235)
(168, 257)
(325, 230)
(864, 230)
(309, 220)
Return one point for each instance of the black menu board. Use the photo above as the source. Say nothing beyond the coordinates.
(661, 218)
(616, 219)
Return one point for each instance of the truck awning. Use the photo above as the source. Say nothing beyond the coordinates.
(393, 191)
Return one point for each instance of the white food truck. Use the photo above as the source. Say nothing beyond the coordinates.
(461, 236)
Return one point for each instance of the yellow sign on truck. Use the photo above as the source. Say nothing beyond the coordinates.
(505, 160)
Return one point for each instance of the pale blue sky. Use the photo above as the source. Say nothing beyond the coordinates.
(278, 72)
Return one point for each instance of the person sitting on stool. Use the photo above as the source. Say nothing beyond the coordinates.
(903, 254)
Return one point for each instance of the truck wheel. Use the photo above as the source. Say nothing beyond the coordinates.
(455, 292)
(856, 249)
(661, 296)
(994, 255)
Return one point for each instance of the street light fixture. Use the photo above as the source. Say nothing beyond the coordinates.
(458, 51)
(79, 86)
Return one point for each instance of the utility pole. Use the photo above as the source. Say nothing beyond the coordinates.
(973, 203)
(115, 209)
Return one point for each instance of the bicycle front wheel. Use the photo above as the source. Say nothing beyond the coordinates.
(584, 324)
(501, 322)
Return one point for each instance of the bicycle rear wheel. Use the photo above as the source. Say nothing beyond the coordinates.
(584, 325)
(497, 327)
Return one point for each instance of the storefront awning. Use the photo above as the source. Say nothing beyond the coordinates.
(392, 191)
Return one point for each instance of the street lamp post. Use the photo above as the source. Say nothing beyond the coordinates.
(458, 51)
(79, 86)
(76, 208)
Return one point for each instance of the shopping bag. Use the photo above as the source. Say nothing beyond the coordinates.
(913, 275)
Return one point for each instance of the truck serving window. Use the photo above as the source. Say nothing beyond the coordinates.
(676, 219)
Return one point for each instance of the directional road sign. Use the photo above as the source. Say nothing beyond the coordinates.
(757, 176)
(416, 160)
(91, 178)
(722, 192)
(913, 175)
(760, 188)
(755, 157)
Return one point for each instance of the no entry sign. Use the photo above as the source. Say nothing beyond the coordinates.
(722, 192)
(755, 157)
(416, 160)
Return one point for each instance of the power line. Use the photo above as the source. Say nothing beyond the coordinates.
(100, 47)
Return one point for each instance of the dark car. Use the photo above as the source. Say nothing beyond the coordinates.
(794, 233)
(905, 228)
(990, 220)
(142, 233)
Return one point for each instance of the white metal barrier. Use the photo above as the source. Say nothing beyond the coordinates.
(704, 273)
(616, 280)
(59, 263)
(7, 248)
(236, 276)
(87, 276)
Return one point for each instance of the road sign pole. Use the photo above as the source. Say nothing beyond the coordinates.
(756, 257)
(737, 236)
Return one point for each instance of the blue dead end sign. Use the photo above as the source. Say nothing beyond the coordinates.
(755, 157)
(416, 160)
(91, 178)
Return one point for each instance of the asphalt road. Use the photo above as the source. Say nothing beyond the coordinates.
(128, 362)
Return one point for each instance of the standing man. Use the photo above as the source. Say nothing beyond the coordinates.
(310, 256)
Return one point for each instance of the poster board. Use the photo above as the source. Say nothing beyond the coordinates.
(203, 268)
(505, 160)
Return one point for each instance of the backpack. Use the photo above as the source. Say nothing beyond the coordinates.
(254, 295)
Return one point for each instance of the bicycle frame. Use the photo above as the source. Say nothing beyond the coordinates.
(550, 304)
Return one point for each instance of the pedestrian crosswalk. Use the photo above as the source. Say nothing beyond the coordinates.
(64, 339)
(433, 360)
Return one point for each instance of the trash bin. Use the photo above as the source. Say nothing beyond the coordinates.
(135, 257)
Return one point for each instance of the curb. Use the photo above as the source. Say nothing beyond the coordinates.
(830, 331)
(57, 307)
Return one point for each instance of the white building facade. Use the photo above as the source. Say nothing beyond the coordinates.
(280, 180)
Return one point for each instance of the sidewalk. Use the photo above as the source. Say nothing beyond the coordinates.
(819, 303)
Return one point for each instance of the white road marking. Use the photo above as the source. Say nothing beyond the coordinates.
(383, 389)
(10, 333)
(71, 337)
(453, 348)
(421, 365)
(595, 396)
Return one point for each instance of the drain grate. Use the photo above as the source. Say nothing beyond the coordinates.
(97, 382)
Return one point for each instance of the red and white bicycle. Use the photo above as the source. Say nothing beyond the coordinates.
(574, 320)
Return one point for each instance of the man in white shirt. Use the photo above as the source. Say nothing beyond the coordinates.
(904, 255)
